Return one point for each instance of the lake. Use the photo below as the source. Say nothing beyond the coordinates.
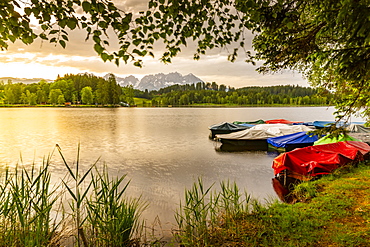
(162, 150)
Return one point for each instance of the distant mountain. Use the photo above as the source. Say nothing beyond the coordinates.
(23, 80)
(157, 81)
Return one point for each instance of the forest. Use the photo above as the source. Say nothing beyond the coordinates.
(88, 89)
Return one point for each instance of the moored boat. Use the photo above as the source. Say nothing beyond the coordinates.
(311, 162)
(282, 121)
(255, 138)
(225, 128)
(290, 142)
(340, 138)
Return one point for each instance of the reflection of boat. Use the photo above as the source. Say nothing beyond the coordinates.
(256, 137)
(225, 128)
(304, 164)
(289, 142)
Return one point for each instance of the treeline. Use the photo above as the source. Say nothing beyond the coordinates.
(211, 93)
(74, 89)
(90, 89)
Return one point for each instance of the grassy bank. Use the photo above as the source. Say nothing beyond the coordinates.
(90, 209)
(331, 211)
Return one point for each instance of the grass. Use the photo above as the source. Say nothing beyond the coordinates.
(332, 211)
(98, 212)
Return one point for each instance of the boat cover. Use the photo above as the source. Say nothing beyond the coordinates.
(260, 121)
(340, 138)
(281, 121)
(247, 125)
(295, 138)
(264, 131)
(304, 123)
(282, 129)
(322, 124)
(321, 159)
(249, 134)
(227, 127)
(358, 128)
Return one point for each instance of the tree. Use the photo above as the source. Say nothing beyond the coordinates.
(54, 96)
(87, 95)
(61, 99)
(56, 18)
(9, 95)
(327, 40)
(128, 94)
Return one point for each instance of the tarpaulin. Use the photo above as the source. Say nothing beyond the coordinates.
(295, 138)
(340, 138)
(225, 128)
(282, 121)
(321, 159)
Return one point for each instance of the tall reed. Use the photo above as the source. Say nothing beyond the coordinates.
(101, 213)
(114, 219)
(78, 192)
(26, 204)
(205, 211)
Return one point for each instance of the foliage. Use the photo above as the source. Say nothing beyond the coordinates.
(326, 40)
(199, 94)
(56, 19)
(87, 95)
(70, 88)
(98, 90)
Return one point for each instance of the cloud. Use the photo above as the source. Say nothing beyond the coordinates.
(45, 60)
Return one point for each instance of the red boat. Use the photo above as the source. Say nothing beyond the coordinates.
(306, 163)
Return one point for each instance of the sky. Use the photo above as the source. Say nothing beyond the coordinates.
(44, 60)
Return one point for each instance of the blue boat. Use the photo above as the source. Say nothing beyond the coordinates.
(292, 141)
(322, 124)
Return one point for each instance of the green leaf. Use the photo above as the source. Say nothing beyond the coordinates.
(104, 56)
(98, 48)
(53, 31)
(103, 24)
(28, 11)
(71, 24)
(62, 43)
(44, 27)
(137, 42)
(86, 6)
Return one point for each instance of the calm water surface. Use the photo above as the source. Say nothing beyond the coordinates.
(162, 150)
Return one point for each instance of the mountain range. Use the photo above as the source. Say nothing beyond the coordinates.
(150, 82)
(157, 81)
